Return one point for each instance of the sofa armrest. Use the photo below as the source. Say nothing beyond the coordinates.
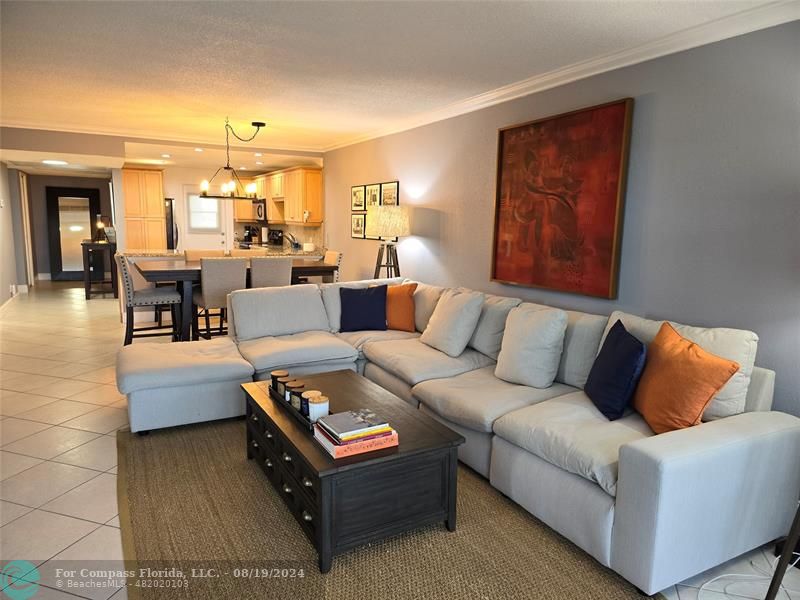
(692, 499)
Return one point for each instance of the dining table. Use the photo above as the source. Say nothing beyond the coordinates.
(186, 273)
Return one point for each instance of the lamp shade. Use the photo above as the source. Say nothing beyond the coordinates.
(388, 222)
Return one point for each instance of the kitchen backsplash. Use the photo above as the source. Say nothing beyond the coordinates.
(303, 234)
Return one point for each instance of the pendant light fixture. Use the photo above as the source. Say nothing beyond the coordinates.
(232, 188)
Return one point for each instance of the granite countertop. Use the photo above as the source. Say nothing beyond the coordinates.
(271, 251)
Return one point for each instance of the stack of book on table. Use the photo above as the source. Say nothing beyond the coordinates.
(354, 432)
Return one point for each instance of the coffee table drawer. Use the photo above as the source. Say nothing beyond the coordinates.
(299, 469)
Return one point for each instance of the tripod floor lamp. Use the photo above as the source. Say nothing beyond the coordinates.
(387, 223)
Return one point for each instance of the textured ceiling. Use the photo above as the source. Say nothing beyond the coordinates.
(320, 73)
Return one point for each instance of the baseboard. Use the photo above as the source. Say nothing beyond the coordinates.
(43, 276)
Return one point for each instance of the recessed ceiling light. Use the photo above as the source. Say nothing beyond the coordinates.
(258, 154)
(243, 168)
(51, 161)
(258, 162)
(198, 149)
(166, 156)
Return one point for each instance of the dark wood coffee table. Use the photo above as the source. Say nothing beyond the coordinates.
(352, 501)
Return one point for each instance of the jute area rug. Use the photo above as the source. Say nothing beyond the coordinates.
(190, 499)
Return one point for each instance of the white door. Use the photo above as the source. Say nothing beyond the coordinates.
(207, 223)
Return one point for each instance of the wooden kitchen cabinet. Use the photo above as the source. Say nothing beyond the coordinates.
(276, 189)
(145, 234)
(244, 210)
(145, 221)
(302, 188)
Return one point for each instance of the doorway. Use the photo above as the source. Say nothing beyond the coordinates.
(70, 220)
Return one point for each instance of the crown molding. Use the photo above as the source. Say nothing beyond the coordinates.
(760, 17)
(158, 137)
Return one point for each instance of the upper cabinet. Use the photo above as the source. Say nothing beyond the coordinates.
(276, 185)
(296, 196)
(145, 219)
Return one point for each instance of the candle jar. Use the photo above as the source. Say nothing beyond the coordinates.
(317, 407)
(304, 399)
(281, 388)
(293, 391)
(275, 375)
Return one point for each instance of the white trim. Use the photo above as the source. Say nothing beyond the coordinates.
(760, 17)
(43, 276)
(22, 289)
(30, 272)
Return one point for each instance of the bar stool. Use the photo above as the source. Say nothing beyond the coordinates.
(218, 278)
(270, 272)
(332, 257)
(148, 296)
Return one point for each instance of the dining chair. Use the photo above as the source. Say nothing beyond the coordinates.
(332, 257)
(270, 271)
(198, 254)
(147, 295)
(248, 253)
(218, 278)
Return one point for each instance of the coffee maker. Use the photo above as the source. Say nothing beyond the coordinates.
(250, 234)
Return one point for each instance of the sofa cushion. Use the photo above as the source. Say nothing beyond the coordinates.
(581, 345)
(149, 366)
(425, 299)
(531, 349)
(357, 339)
(453, 321)
(332, 299)
(363, 308)
(297, 349)
(615, 372)
(263, 312)
(570, 433)
(680, 379)
(734, 344)
(488, 334)
(475, 399)
(412, 361)
(400, 307)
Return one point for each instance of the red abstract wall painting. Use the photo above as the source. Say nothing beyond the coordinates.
(560, 196)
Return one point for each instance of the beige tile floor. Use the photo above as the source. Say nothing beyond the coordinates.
(59, 413)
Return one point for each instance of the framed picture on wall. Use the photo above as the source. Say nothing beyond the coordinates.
(373, 195)
(358, 226)
(390, 193)
(560, 197)
(357, 201)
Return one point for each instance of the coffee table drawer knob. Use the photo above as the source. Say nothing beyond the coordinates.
(286, 457)
(287, 489)
(255, 444)
(268, 462)
(307, 516)
(255, 418)
(268, 435)
(307, 482)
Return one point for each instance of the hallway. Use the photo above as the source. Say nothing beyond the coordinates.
(59, 413)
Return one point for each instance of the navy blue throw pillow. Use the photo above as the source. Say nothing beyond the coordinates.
(363, 308)
(616, 372)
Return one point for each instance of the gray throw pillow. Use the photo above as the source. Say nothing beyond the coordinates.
(532, 344)
(453, 321)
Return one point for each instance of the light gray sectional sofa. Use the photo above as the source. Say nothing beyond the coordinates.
(657, 509)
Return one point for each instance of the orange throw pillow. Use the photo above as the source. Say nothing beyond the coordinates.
(400, 307)
(680, 379)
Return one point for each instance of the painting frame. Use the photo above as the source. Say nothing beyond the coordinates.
(609, 289)
(358, 221)
(372, 195)
(392, 198)
(358, 200)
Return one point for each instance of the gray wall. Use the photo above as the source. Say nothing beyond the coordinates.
(8, 264)
(712, 221)
(37, 195)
